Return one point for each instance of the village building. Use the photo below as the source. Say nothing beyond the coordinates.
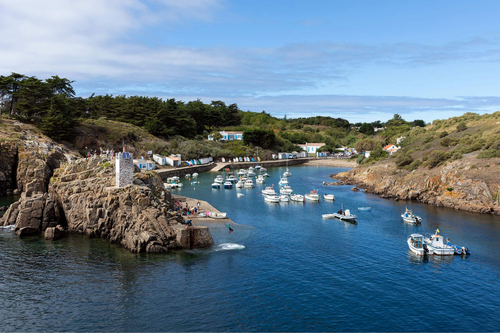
(229, 135)
(391, 149)
(311, 148)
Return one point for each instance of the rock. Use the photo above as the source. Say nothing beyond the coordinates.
(355, 189)
(54, 233)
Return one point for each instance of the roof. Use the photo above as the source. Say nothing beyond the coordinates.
(143, 161)
(173, 158)
(233, 132)
(388, 146)
(312, 144)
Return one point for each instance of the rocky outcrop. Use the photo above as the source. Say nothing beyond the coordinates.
(8, 164)
(461, 185)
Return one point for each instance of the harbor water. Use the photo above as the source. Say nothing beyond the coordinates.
(284, 268)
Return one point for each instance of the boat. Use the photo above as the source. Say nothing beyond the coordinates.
(251, 173)
(262, 169)
(215, 185)
(249, 183)
(458, 249)
(287, 173)
(242, 172)
(175, 178)
(283, 181)
(269, 190)
(345, 215)
(287, 189)
(364, 209)
(240, 195)
(265, 174)
(228, 185)
(284, 198)
(312, 196)
(251, 168)
(417, 245)
(409, 217)
(188, 175)
(329, 197)
(231, 178)
(195, 175)
(239, 184)
(272, 198)
(436, 245)
(217, 215)
(297, 198)
(260, 179)
(194, 183)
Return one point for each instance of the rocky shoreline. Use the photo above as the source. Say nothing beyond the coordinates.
(462, 184)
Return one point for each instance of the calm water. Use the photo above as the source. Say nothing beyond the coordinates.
(282, 269)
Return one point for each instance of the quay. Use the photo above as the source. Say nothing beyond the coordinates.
(200, 219)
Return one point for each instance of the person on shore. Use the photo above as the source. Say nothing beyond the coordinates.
(230, 229)
(198, 205)
(189, 223)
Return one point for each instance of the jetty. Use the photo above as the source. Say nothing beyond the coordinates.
(200, 219)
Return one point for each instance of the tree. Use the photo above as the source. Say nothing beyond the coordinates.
(259, 137)
(59, 122)
(61, 86)
(418, 123)
(396, 120)
(216, 136)
(368, 145)
(367, 128)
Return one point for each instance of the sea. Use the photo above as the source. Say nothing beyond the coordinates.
(283, 268)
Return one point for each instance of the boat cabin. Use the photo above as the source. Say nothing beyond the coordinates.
(417, 240)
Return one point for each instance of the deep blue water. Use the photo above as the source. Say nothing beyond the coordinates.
(283, 268)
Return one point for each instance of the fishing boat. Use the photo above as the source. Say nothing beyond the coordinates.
(364, 209)
(272, 198)
(437, 246)
(215, 185)
(409, 217)
(217, 215)
(287, 189)
(345, 215)
(269, 190)
(228, 185)
(283, 181)
(249, 183)
(297, 198)
(417, 245)
(284, 198)
(260, 179)
(329, 197)
(312, 196)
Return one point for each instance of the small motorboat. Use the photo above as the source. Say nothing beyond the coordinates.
(364, 209)
(249, 183)
(269, 190)
(262, 169)
(195, 175)
(272, 198)
(240, 184)
(287, 189)
(228, 185)
(215, 185)
(297, 198)
(284, 198)
(231, 178)
(251, 173)
(240, 195)
(283, 181)
(345, 215)
(265, 174)
(260, 179)
(458, 249)
(312, 196)
(188, 175)
(287, 173)
(194, 183)
(409, 217)
(329, 197)
(217, 215)
(417, 245)
(436, 245)
(242, 172)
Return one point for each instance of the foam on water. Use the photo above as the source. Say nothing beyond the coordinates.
(229, 246)
(7, 227)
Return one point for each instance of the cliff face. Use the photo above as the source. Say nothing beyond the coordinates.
(82, 199)
(471, 185)
(8, 164)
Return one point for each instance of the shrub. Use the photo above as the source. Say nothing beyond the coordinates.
(404, 159)
(414, 165)
(360, 159)
(489, 153)
(443, 134)
(447, 142)
(461, 127)
(437, 157)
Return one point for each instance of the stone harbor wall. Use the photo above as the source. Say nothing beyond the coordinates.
(124, 169)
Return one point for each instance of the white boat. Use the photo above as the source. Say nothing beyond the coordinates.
(363, 209)
(272, 198)
(260, 179)
(217, 215)
(416, 244)
(437, 246)
(242, 172)
(262, 169)
(329, 197)
(312, 196)
(251, 168)
(409, 217)
(240, 184)
(265, 174)
(175, 178)
(195, 175)
(240, 195)
(283, 181)
(188, 175)
(215, 185)
(249, 183)
(251, 173)
(287, 189)
(231, 179)
(269, 191)
(284, 198)
(297, 198)
(219, 181)
(345, 215)
(228, 185)
(287, 173)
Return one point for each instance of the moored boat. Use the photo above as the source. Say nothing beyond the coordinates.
(409, 217)
(240, 184)
(272, 198)
(216, 185)
(297, 198)
(287, 189)
(269, 190)
(284, 198)
(312, 196)
(240, 195)
(436, 245)
(364, 208)
(228, 185)
(345, 215)
(217, 215)
(249, 183)
(195, 175)
(242, 172)
(260, 179)
(283, 181)
(417, 245)
(329, 197)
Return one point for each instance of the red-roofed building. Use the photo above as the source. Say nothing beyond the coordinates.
(391, 149)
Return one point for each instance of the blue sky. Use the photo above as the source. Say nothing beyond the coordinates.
(359, 60)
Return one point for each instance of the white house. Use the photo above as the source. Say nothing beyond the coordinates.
(161, 160)
(229, 135)
(145, 164)
(391, 149)
(311, 148)
(173, 160)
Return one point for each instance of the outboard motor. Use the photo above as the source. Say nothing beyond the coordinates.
(426, 250)
(462, 250)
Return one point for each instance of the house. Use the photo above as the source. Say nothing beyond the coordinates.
(391, 149)
(311, 148)
(173, 160)
(161, 160)
(145, 164)
(229, 135)
(398, 140)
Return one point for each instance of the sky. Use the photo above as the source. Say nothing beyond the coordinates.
(361, 60)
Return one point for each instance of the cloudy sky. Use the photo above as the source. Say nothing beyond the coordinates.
(362, 60)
